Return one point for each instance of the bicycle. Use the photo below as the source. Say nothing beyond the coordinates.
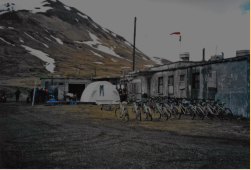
(146, 111)
(159, 111)
(136, 111)
(187, 109)
(171, 109)
(122, 112)
(223, 112)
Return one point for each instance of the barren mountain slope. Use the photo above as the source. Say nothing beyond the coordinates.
(75, 42)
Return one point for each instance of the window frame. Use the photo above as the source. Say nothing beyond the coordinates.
(183, 78)
(196, 82)
(160, 85)
(171, 83)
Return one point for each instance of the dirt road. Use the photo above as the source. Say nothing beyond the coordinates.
(79, 136)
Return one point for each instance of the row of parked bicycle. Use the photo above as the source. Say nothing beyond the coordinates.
(165, 107)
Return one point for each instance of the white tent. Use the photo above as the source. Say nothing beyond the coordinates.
(101, 92)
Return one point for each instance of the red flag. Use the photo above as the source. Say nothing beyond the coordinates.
(175, 33)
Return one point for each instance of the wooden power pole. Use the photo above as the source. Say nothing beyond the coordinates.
(134, 44)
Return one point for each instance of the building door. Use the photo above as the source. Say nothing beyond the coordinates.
(77, 89)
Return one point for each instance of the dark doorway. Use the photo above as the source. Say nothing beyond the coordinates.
(77, 89)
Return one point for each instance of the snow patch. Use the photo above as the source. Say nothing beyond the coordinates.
(108, 51)
(6, 41)
(68, 8)
(144, 58)
(11, 28)
(43, 56)
(47, 38)
(98, 62)
(1, 27)
(130, 45)
(36, 40)
(148, 66)
(76, 19)
(46, 30)
(3, 12)
(97, 54)
(94, 25)
(157, 60)
(21, 40)
(58, 40)
(106, 30)
(100, 46)
(114, 60)
(75, 68)
(128, 60)
(84, 16)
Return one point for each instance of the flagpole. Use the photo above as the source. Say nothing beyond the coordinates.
(180, 40)
(180, 46)
(180, 49)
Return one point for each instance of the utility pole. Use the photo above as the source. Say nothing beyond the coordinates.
(34, 93)
(124, 76)
(134, 44)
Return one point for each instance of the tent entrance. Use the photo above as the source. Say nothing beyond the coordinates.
(76, 89)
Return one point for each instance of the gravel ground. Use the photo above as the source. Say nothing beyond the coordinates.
(81, 136)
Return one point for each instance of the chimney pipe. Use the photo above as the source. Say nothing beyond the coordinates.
(203, 55)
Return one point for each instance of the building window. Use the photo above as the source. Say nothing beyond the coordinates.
(170, 84)
(160, 85)
(60, 83)
(182, 77)
(196, 81)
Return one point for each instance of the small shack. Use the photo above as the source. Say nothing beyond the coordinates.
(65, 85)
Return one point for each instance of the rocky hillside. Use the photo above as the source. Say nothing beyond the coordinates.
(50, 38)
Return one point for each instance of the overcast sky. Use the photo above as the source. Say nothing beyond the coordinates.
(202, 23)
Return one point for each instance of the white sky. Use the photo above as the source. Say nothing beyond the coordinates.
(202, 23)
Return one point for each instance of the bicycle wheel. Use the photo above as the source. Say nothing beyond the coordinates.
(119, 114)
(168, 113)
(210, 114)
(126, 115)
(228, 114)
(138, 117)
(165, 116)
(149, 114)
(191, 114)
(176, 112)
(157, 113)
(134, 113)
(151, 118)
(200, 113)
(144, 114)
